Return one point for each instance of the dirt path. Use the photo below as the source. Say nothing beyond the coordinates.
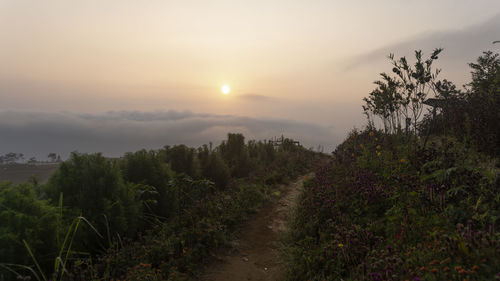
(256, 255)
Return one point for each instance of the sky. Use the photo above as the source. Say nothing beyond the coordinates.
(116, 76)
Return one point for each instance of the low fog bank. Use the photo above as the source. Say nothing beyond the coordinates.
(116, 132)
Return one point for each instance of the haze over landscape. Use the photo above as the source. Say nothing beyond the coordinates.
(249, 140)
(117, 76)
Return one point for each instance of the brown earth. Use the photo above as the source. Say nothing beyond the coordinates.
(18, 173)
(256, 255)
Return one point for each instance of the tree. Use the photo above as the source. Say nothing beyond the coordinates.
(52, 157)
(472, 116)
(451, 111)
(483, 102)
(11, 158)
(402, 96)
(386, 101)
(485, 74)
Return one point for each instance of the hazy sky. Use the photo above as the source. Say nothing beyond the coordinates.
(287, 62)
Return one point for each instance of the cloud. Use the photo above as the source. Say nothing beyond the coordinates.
(116, 132)
(255, 97)
(461, 46)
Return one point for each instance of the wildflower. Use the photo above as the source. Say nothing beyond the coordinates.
(372, 134)
(378, 153)
(445, 260)
(403, 160)
(340, 245)
(433, 262)
(379, 147)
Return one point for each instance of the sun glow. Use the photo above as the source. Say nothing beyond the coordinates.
(225, 89)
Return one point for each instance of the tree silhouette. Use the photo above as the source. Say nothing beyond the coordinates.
(402, 96)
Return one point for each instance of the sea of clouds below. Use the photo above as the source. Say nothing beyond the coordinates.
(116, 132)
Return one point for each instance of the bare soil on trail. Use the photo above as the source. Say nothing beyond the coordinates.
(256, 255)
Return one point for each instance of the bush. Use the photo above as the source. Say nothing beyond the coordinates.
(25, 217)
(134, 218)
(235, 154)
(151, 173)
(92, 187)
(181, 159)
(387, 210)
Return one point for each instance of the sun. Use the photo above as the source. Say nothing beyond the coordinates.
(225, 89)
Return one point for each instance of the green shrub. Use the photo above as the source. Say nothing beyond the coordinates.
(25, 217)
(92, 187)
(388, 209)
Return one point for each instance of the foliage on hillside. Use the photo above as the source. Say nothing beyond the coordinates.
(25, 217)
(394, 205)
(151, 215)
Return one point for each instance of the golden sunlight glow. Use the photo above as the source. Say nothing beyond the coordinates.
(225, 89)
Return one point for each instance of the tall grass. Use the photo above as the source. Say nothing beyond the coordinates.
(64, 253)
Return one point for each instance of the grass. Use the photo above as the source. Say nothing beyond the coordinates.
(64, 253)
